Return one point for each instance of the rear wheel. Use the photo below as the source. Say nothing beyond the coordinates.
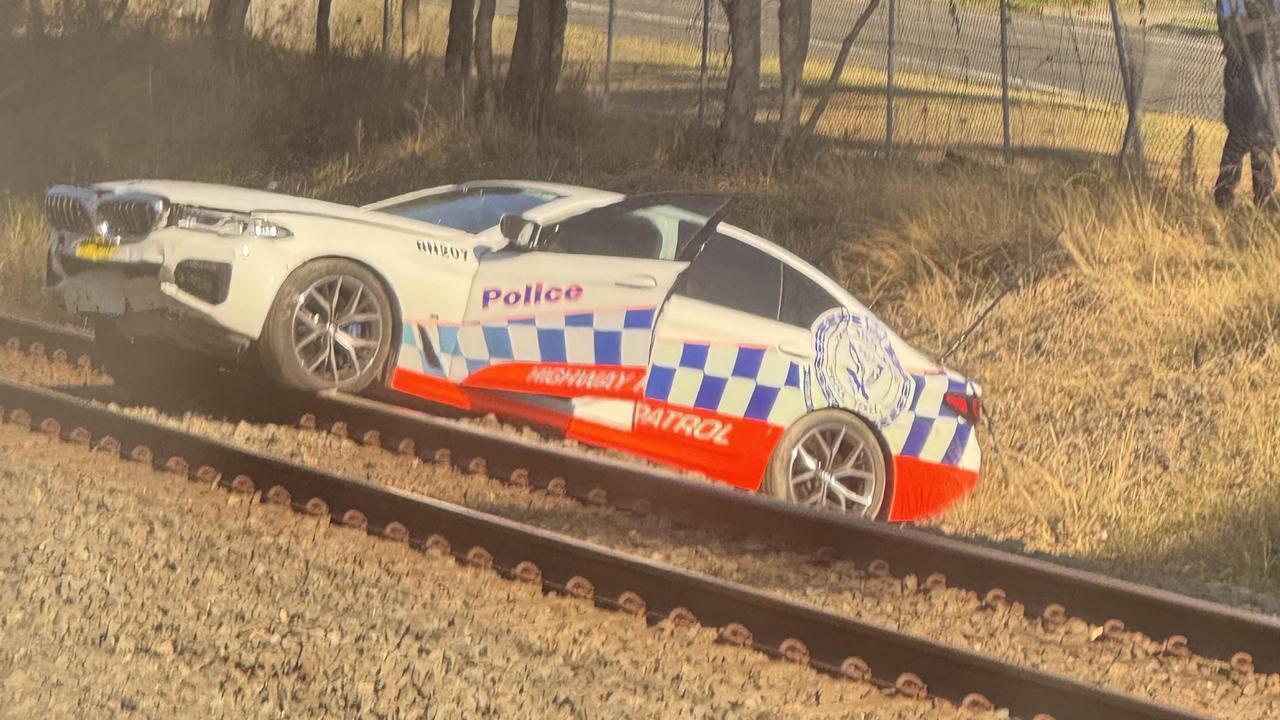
(830, 459)
(330, 327)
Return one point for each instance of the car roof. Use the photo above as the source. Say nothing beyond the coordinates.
(574, 193)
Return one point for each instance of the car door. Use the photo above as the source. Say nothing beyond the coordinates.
(725, 371)
(573, 316)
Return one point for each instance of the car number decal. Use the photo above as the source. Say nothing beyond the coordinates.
(448, 252)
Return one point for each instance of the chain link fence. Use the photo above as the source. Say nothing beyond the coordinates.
(928, 76)
(923, 76)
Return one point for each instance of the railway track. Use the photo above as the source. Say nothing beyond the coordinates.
(635, 488)
(791, 631)
(1246, 639)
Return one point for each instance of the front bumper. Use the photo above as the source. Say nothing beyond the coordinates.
(202, 291)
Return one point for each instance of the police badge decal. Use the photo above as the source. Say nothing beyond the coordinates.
(856, 367)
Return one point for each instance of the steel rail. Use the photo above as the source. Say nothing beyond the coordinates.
(748, 617)
(1248, 639)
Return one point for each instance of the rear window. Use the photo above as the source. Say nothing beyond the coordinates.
(803, 300)
(735, 275)
(471, 210)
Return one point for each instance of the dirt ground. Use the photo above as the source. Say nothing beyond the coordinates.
(1133, 666)
(126, 593)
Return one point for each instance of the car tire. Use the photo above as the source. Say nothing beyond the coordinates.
(145, 366)
(330, 327)
(801, 469)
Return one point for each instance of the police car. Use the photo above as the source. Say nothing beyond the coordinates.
(641, 323)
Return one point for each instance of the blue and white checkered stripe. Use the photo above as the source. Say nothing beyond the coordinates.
(412, 356)
(601, 337)
(730, 380)
(931, 432)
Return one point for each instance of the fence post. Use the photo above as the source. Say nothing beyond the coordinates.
(386, 28)
(1132, 143)
(888, 73)
(404, 30)
(1004, 79)
(706, 51)
(608, 47)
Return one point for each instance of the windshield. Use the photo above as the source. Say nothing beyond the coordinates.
(473, 209)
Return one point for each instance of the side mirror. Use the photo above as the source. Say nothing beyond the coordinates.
(518, 231)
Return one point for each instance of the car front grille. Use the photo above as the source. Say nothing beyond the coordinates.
(70, 208)
(131, 215)
(122, 218)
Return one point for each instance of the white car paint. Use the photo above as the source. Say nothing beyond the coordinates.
(477, 315)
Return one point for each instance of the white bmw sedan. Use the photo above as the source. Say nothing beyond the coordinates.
(641, 323)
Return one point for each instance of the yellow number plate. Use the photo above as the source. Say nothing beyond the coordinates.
(96, 249)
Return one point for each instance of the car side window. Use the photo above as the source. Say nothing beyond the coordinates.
(606, 231)
(735, 275)
(803, 300)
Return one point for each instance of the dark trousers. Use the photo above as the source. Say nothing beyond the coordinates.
(1248, 133)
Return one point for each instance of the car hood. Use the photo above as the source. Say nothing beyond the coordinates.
(235, 199)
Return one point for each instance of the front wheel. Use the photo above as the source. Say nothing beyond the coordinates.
(830, 459)
(329, 328)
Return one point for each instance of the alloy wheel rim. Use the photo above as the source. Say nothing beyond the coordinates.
(833, 467)
(337, 329)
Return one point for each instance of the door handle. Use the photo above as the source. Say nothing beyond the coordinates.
(638, 282)
(797, 350)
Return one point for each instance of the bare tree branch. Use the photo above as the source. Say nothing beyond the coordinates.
(837, 70)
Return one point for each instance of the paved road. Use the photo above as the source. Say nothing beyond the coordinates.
(1183, 74)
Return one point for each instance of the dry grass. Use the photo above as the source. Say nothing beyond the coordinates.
(1131, 377)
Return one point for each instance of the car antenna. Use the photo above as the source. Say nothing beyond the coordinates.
(964, 335)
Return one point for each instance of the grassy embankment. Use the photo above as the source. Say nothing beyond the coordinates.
(1132, 379)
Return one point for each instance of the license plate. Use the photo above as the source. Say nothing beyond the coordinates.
(96, 249)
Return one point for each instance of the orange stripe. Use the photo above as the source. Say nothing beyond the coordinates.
(671, 437)
(921, 488)
(559, 379)
(435, 389)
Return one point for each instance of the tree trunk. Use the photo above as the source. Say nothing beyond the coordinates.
(530, 16)
(35, 18)
(555, 48)
(794, 17)
(117, 14)
(216, 20)
(824, 98)
(457, 50)
(226, 18)
(484, 57)
(410, 31)
(536, 58)
(386, 27)
(322, 27)
(741, 95)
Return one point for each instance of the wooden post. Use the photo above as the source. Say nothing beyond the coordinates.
(1131, 147)
(1004, 80)
(888, 75)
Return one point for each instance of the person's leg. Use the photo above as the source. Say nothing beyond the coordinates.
(1236, 96)
(1262, 158)
(1262, 149)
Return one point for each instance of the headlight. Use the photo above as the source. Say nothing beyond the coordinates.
(224, 222)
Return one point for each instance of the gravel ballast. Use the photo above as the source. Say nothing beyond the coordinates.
(127, 593)
(1134, 665)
